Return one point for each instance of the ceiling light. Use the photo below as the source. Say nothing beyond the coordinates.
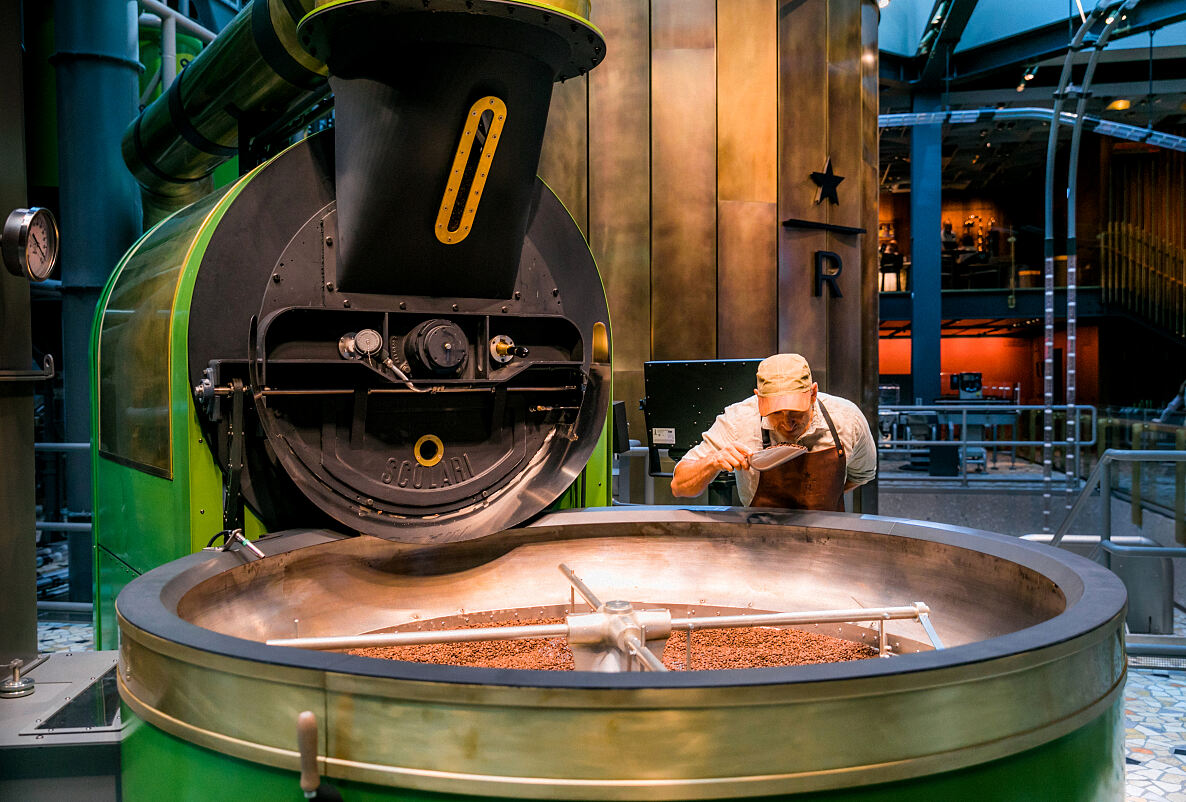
(882, 3)
(1119, 104)
(1030, 72)
(1021, 87)
(1109, 20)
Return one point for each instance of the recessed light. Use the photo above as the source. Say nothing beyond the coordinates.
(1119, 104)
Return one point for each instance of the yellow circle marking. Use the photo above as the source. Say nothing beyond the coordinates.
(440, 450)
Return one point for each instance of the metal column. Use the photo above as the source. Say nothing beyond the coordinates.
(926, 191)
(18, 563)
(97, 71)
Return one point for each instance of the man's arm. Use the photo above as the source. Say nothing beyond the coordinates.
(692, 476)
(862, 461)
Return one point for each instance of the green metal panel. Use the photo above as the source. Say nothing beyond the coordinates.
(1087, 764)
(144, 519)
(111, 574)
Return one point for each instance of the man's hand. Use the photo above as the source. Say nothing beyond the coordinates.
(691, 477)
(731, 458)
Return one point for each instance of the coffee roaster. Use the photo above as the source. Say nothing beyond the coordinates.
(387, 348)
(392, 328)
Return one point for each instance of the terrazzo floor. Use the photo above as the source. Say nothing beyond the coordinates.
(1154, 707)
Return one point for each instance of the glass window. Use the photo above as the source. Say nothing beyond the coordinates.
(134, 345)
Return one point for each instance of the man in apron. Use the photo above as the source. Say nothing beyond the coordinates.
(836, 451)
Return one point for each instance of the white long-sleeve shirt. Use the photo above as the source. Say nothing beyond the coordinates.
(740, 423)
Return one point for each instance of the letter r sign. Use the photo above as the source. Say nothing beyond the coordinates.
(828, 267)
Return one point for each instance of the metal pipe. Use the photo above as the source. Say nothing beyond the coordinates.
(583, 589)
(980, 116)
(254, 71)
(420, 638)
(1112, 547)
(808, 617)
(61, 446)
(163, 12)
(66, 607)
(61, 526)
(168, 51)
(1106, 498)
(644, 654)
(1156, 650)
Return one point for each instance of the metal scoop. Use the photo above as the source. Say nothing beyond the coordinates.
(773, 456)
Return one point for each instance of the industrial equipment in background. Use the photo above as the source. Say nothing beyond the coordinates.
(970, 386)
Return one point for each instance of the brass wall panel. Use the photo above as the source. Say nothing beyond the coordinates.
(564, 160)
(747, 100)
(683, 179)
(802, 149)
(747, 281)
(825, 113)
(747, 178)
(846, 148)
(619, 188)
(683, 24)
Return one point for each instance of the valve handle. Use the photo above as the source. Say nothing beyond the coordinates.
(307, 746)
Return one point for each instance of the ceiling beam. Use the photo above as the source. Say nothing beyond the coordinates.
(1048, 41)
(949, 18)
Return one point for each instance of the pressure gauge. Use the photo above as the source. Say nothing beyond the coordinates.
(29, 243)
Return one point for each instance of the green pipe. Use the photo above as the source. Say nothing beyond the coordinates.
(255, 67)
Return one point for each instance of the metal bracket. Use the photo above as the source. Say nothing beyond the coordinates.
(46, 372)
(229, 538)
(232, 506)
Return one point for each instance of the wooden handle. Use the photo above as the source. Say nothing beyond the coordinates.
(307, 745)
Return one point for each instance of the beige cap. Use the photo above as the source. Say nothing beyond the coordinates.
(784, 382)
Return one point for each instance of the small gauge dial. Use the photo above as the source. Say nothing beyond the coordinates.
(30, 244)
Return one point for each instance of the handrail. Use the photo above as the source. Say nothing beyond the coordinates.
(1103, 469)
(962, 411)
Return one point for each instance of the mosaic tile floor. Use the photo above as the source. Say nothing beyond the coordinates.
(1155, 741)
(1154, 706)
(56, 636)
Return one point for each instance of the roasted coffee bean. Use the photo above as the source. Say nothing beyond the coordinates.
(744, 647)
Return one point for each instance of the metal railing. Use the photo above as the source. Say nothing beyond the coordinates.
(170, 20)
(1101, 477)
(966, 426)
(1148, 487)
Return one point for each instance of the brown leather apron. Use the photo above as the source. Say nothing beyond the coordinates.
(814, 481)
